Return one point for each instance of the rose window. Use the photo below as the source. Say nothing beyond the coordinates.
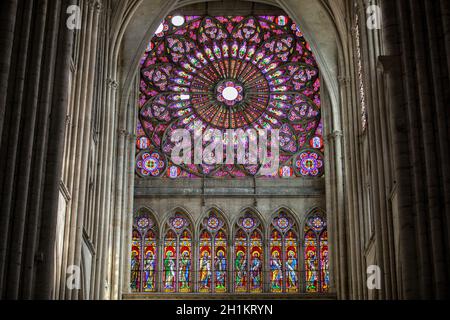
(237, 72)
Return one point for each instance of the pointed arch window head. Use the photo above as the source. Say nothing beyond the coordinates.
(317, 276)
(213, 254)
(177, 264)
(283, 246)
(229, 73)
(144, 253)
(248, 254)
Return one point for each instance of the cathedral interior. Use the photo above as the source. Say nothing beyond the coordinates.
(352, 203)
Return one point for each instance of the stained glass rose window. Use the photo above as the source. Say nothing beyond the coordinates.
(255, 72)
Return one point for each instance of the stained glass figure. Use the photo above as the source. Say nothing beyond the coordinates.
(184, 263)
(249, 255)
(170, 258)
(284, 259)
(205, 268)
(276, 265)
(220, 265)
(150, 262)
(143, 254)
(324, 272)
(177, 274)
(291, 246)
(136, 261)
(256, 253)
(229, 72)
(316, 254)
(240, 261)
(212, 269)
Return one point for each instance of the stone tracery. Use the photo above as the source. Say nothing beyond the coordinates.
(237, 72)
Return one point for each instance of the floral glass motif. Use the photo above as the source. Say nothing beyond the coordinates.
(317, 276)
(143, 254)
(309, 164)
(151, 164)
(283, 247)
(229, 72)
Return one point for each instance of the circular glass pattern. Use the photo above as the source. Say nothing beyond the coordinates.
(230, 93)
(234, 72)
(283, 223)
(248, 223)
(151, 164)
(143, 223)
(178, 223)
(316, 223)
(309, 164)
(213, 223)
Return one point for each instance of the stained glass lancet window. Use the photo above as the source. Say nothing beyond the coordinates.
(177, 264)
(248, 255)
(144, 254)
(234, 72)
(317, 276)
(283, 246)
(213, 264)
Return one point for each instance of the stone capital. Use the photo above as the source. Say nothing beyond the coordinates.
(111, 83)
(335, 135)
(344, 81)
(96, 5)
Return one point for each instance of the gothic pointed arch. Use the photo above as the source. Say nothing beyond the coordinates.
(284, 253)
(315, 251)
(144, 252)
(248, 253)
(213, 253)
(178, 253)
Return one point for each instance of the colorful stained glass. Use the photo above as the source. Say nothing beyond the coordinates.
(213, 223)
(233, 72)
(212, 270)
(284, 255)
(150, 254)
(309, 164)
(324, 267)
(151, 164)
(205, 267)
(240, 261)
(249, 255)
(291, 256)
(276, 265)
(177, 255)
(316, 254)
(256, 262)
(220, 264)
(170, 262)
(248, 261)
(311, 262)
(136, 261)
(184, 263)
(143, 254)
